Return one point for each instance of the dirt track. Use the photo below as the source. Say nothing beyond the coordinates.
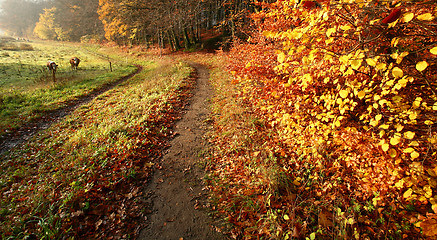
(175, 191)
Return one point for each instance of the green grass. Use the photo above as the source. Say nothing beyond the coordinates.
(87, 161)
(27, 90)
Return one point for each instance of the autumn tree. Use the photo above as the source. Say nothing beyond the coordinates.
(349, 89)
(78, 18)
(47, 28)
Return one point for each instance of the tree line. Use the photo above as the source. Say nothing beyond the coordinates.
(174, 23)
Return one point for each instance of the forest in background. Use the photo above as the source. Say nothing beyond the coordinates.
(177, 24)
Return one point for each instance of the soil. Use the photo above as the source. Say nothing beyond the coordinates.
(175, 193)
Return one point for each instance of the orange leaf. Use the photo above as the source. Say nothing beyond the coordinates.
(429, 227)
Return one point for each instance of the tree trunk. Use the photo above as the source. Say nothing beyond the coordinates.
(186, 39)
(170, 41)
(176, 40)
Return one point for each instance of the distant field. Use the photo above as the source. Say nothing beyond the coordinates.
(26, 87)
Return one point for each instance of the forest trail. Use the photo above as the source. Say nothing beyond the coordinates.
(175, 191)
(24, 133)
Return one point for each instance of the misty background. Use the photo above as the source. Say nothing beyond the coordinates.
(177, 24)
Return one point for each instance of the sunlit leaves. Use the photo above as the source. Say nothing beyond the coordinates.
(372, 62)
(396, 139)
(356, 64)
(344, 93)
(409, 150)
(392, 152)
(414, 155)
(420, 66)
(408, 193)
(397, 72)
(361, 94)
(281, 57)
(377, 80)
(425, 17)
(407, 17)
(409, 135)
(330, 31)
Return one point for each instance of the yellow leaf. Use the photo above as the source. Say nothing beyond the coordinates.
(381, 66)
(392, 153)
(394, 42)
(407, 17)
(345, 27)
(417, 102)
(409, 135)
(412, 115)
(385, 147)
(281, 57)
(286, 217)
(414, 155)
(329, 40)
(400, 184)
(434, 107)
(378, 117)
(371, 62)
(433, 50)
(429, 122)
(428, 191)
(397, 72)
(425, 17)
(330, 31)
(396, 139)
(343, 93)
(268, 34)
(361, 94)
(420, 66)
(408, 193)
(356, 64)
(409, 150)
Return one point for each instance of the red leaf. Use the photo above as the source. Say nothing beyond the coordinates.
(394, 15)
(308, 4)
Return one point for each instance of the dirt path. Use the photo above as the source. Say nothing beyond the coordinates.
(175, 190)
(24, 133)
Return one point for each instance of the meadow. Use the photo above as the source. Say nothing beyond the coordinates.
(72, 179)
(27, 90)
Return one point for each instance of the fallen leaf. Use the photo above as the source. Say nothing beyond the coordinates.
(429, 227)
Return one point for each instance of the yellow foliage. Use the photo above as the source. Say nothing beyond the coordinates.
(420, 66)
(425, 17)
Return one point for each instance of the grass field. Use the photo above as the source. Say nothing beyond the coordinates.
(58, 184)
(27, 89)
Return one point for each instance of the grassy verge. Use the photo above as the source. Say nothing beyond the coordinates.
(27, 91)
(81, 178)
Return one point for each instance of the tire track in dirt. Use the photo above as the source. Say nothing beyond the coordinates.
(175, 192)
(24, 133)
